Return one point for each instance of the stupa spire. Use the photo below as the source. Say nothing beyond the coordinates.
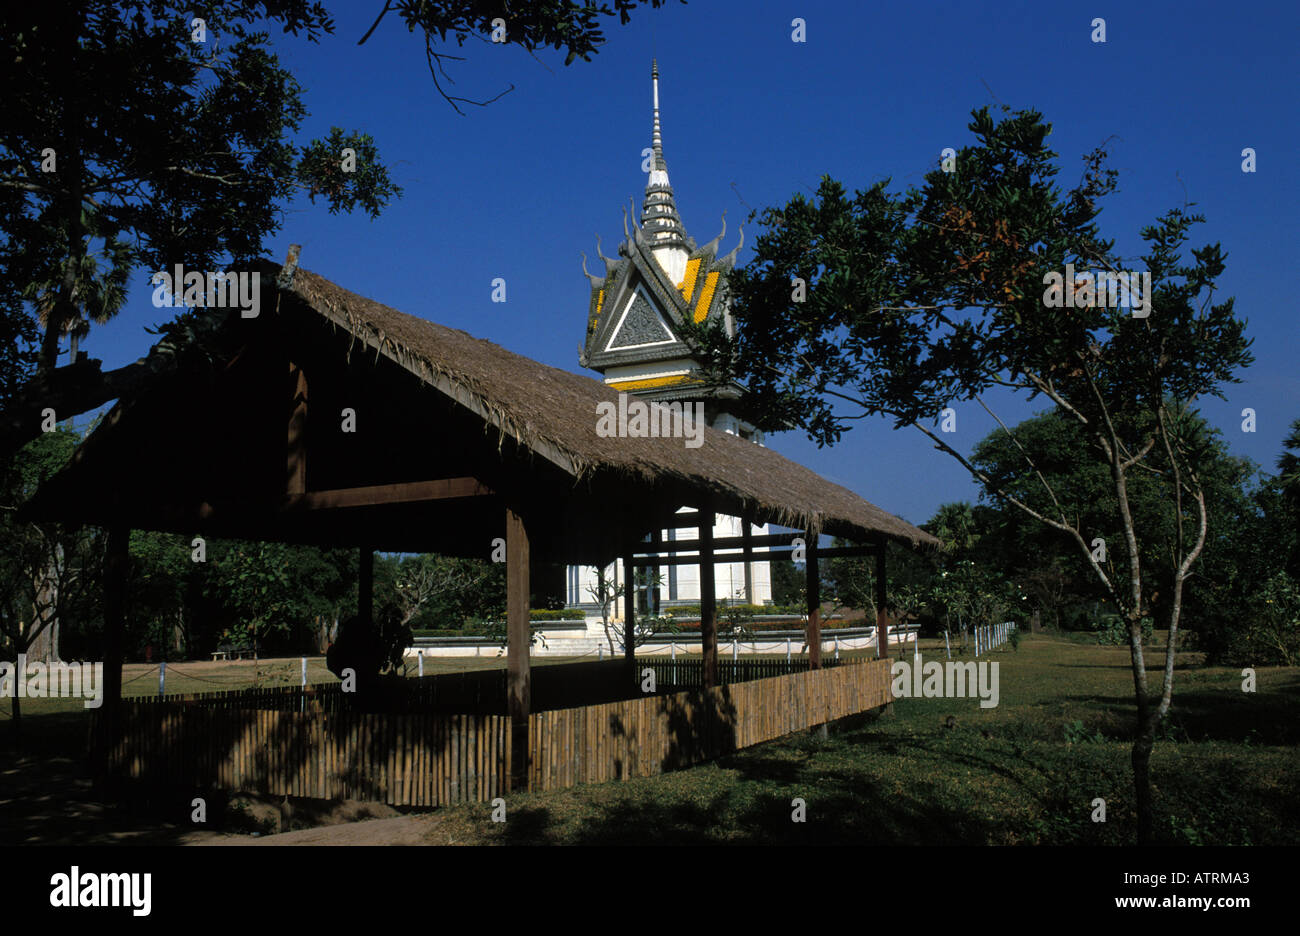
(660, 223)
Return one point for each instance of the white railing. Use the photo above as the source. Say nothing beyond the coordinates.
(991, 636)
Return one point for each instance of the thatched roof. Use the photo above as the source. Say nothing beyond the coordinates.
(553, 413)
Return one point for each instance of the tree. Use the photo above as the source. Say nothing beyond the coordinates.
(955, 526)
(1287, 504)
(448, 589)
(124, 123)
(1255, 597)
(606, 594)
(915, 302)
(788, 584)
(568, 25)
(1037, 556)
(1288, 464)
(165, 134)
(848, 583)
(45, 568)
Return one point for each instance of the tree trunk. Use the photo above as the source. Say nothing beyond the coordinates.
(16, 735)
(1142, 746)
(609, 638)
(42, 640)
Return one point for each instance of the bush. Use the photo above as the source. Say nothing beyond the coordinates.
(1112, 631)
(693, 627)
(563, 614)
(1266, 633)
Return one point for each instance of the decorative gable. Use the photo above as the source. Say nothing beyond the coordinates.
(640, 326)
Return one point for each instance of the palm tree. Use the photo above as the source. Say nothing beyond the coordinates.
(97, 296)
(954, 524)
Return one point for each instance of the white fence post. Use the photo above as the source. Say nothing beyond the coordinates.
(162, 677)
(419, 661)
(787, 649)
(304, 672)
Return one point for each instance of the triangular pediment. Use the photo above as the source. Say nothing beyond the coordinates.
(640, 325)
(636, 317)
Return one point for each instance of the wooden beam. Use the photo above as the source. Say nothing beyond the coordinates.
(772, 555)
(739, 542)
(723, 542)
(814, 589)
(684, 521)
(295, 481)
(882, 621)
(708, 601)
(382, 494)
(518, 646)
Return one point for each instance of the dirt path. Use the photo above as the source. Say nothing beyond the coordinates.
(400, 830)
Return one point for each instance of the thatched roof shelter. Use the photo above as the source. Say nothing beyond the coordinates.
(328, 418)
(205, 450)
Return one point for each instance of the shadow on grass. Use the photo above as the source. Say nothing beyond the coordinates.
(1269, 717)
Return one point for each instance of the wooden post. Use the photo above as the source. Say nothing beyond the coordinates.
(518, 646)
(296, 460)
(366, 587)
(882, 621)
(747, 534)
(708, 600)
(814, 588)
(657, 539)
(629, 610)
(116, 569)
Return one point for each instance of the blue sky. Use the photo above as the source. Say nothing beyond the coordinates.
(520, 188)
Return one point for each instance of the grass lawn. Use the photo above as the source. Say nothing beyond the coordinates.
(1026, 772)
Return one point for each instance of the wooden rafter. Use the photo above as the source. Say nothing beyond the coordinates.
(383, 494)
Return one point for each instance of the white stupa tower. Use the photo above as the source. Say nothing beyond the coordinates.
(636, 338)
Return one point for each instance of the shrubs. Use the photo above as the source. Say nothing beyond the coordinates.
(1112, 631)
(472, 628)
(564, 614)
(1266, 632)
(693, 611)
(693, 627)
